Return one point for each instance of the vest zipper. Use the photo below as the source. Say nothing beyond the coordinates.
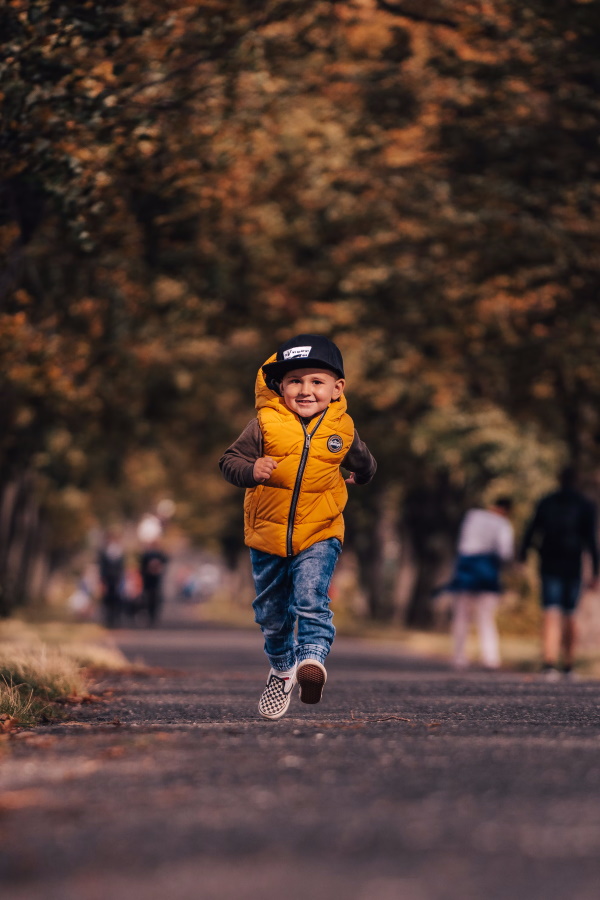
(296, 492)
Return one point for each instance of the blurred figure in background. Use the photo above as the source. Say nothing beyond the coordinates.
(111, 564)
(133, 600)
(153, 563)
(562, 528)
(485, 545)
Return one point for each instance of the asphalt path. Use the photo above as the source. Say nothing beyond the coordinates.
(407, 782)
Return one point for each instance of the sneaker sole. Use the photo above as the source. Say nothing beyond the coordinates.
(311, 679)
(273, 716)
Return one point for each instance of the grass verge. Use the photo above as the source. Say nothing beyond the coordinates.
(43, 666)
(17, 707)
(32, 682)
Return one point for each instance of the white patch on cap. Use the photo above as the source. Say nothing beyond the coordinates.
(297, 353)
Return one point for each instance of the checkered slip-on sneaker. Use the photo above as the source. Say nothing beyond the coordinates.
(275, 698)
(311, 675)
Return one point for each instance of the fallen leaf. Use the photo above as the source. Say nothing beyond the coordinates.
(8, 723)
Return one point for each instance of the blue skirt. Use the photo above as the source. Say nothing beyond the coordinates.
(476, 574)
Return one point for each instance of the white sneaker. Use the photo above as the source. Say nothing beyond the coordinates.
(275, 698)
(551, 673)
(311, 676)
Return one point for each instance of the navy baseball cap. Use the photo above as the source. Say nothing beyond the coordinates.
(303, 352)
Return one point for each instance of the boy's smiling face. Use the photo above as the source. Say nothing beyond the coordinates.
(310, 391)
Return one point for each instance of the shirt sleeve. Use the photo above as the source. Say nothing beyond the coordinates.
(237, 463)
(360, 460)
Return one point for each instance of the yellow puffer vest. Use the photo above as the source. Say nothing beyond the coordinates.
(303, 500)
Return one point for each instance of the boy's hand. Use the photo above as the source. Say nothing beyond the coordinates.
(350, 479)
(263, 468)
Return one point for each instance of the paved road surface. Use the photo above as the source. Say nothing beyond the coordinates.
(408, 782)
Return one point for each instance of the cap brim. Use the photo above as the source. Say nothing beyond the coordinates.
(276, 370)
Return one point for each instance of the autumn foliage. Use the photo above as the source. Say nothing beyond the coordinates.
(186, 185)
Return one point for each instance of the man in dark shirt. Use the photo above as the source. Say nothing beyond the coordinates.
(562, 529)
(152, 567)
(111, 564)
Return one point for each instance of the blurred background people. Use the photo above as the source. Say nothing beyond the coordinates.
(111, 564)
(562, 529)
(81, 603)
(485, 545)
(198, 584)
(132, 591)
(153, 562)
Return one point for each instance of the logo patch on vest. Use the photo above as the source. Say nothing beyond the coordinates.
(335, 443)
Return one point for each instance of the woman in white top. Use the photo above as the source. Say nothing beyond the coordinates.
(485, 544)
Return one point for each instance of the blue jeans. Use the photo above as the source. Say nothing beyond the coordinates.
(560, 593)
(290, 591)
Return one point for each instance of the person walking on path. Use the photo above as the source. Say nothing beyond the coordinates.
(485, 545)
(152, 565)
(562, 529)
(111, 565)
(289, 459)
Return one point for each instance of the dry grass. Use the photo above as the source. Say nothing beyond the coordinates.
(45, 671)
(33, 681)
(87, 645)
(96, 656)
(17, 707)
(42, 664)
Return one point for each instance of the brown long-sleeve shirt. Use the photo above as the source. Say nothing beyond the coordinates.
(237, 463)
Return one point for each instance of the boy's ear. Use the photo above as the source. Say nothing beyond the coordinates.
(338, 388)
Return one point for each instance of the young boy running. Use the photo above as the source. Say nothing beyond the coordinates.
(289, 459)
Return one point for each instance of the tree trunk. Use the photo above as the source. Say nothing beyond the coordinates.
(430, 524)
(23, 556)
(371, 532)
